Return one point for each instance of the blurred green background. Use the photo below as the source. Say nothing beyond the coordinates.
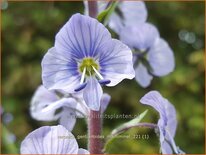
(28, 31)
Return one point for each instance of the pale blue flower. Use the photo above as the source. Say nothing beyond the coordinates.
(85, 56)
(152, 54)
(167, 123)
(45, 104)
(51, 140)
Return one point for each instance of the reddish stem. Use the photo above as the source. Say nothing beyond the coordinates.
(92, 5)
(95, 127)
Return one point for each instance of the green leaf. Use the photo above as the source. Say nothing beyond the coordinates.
(129, 124)
(103, 17)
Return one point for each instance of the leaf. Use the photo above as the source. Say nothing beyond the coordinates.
(129, 124)
(103, 17)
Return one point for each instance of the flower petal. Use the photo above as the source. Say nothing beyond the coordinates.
(41, 99)
(49, 140)
(116, 64)
(140, 37)
(78, 107)
(105, 101)
(82, 36)
(45, 104)
(59, 71)
(142, 76)
(164, 107)
(68, 118)
(92, 94)
(161, 58)
(132, 12)
(166, 148)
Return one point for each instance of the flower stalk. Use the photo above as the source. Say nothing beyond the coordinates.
(95, 128)
(92, 5)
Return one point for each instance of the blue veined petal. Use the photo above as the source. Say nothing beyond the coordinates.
(142, 76)
(168, 145)
(116, 63)
(155, 100)
(104, 102)
(166, 148)
(133, 12)
(82, 36)
(59, 71)
(141, 36)
(167, 123)
(92, 94)
(49, 140)
(166, 110)
(161, 58)
(172, 120)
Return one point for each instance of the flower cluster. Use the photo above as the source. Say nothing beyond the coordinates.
(83, 59)
(152, 56)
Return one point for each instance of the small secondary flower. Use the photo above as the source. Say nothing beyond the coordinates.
(167, 123)
(152, 54)
(45, 104)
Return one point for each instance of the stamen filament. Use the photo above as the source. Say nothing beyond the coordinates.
(83, 76)
(98, 74)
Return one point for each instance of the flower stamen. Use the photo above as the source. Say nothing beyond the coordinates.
(97, 73)
(88, 63)
(83, 75)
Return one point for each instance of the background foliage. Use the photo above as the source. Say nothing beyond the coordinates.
(28, 31)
